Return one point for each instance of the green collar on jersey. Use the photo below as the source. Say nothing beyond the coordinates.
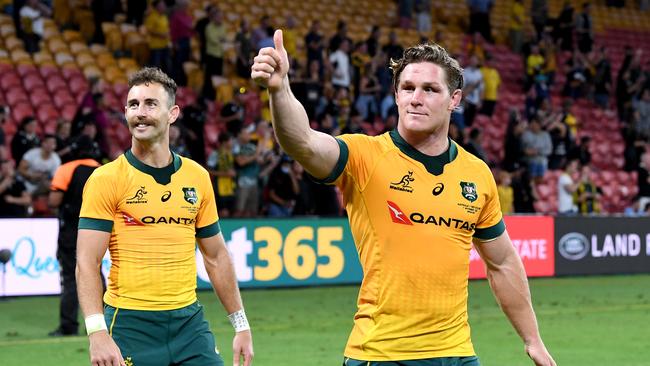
(161, 175)
(434, 164)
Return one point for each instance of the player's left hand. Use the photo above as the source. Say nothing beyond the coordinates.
(539, 354)
(242, 346)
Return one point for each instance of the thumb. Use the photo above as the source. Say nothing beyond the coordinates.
(278, 41)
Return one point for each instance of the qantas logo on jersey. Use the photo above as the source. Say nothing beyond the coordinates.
(397, 215)
(138, 197)
(168, 220)
(130, 220)
(400, 217)
(404, 184)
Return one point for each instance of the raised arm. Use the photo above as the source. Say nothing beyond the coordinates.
(221, 272)
(317, 152)
(509, 284)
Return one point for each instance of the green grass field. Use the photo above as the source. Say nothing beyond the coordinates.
(592, 321)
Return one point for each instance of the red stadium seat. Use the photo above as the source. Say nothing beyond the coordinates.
(70, 72)
(49, 70)
(26, 69)
(69, 111)
(9, 79)
(63, 98)
(56, 83)
(46, 114)
(15, 95)
(39, 96)
(22, 110)
(32, 81)
(78, 85)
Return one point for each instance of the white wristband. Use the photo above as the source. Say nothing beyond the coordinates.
(95, 323)
(239, 321)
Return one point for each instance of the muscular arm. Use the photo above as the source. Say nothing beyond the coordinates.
(317, 152)
(221, 272)
(508, 281)
(91, 247)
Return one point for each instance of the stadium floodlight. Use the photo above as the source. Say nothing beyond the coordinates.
(5, 257)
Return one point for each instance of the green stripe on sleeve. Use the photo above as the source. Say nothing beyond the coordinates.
(95, 224)
(208, 231)
(491, 232)
(340, 164)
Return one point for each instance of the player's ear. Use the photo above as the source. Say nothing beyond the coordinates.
(455, 99)
(174, 112)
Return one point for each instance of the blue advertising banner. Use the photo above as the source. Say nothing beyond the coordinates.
(295, 252)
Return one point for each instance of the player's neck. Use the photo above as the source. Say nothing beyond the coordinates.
(156, 155)
(432, 144)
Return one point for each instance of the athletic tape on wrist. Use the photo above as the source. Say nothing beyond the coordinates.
(239, 321)
(95, 323)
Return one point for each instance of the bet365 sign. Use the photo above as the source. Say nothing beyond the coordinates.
(289, 252)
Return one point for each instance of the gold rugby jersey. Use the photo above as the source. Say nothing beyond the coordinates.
(413, 218)
(154, 216)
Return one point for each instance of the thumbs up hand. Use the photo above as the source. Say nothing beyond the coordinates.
(271, 65)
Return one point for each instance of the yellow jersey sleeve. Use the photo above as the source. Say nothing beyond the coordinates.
(99, 202)
(207, 219)
(490, 222)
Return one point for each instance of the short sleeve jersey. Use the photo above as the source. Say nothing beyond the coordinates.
(413, 218)
(154, 216)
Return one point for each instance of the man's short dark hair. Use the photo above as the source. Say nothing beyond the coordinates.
(149, 75)
(429, 52)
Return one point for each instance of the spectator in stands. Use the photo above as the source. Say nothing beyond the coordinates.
(24, 139)
(177, 140)
(570, 119)
(304, 200)
(158, 37)
(373, 40)
(353, 125)
(474, 145)
(537, 146)
(199, 30)
(534, 64)
(506, 193)
(193, 118)
(248, 158)
(393, 49)
(65, 195)
(643, 178)
(516, 26)
(566, 187)
(548, 49)
(492, 83)
(587, 195)
(14, 198)
(564, 27)
(261, 31)
(584, 27)
(314, 42)
(63, 140)
(562, 144)
(3, 137)
(642, 116)
(359, 59)
(215, 37)
(103, 11)
(479, 18)
(283, 189)
(221, 166)
(338, 37)
(635, 209)
(32, 16)
(473, 89)
(578, 77)
(181, 32)
(340, 65)
(523, 190)
(475, 47)
(513, 152)
(290, 32)
(405, 13)
(369, 91)
(39, 165)
(623, 84)
(581, 152)
(233, 113)
(602, 79)
(243, 49)
(135, 10)
(423, 16)
(539, 16)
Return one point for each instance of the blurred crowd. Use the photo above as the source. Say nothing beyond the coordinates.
(346, 87)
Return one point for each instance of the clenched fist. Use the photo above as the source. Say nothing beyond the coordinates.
(271, 65)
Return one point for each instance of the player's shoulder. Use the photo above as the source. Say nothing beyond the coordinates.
(471, 160)
(366, 142)
(190, 166)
